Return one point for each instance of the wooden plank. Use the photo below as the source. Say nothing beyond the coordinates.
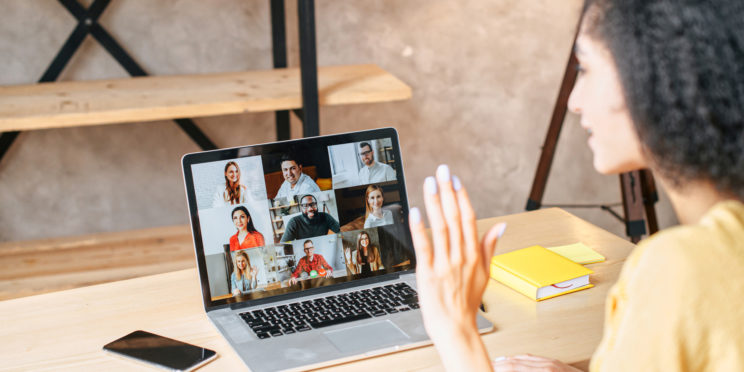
(34, 267)
(78, 103)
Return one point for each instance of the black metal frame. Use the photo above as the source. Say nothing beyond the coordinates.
(88, 24)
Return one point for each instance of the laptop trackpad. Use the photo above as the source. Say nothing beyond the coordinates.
(367, 337)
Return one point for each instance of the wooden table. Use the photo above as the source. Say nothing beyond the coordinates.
(65, 330)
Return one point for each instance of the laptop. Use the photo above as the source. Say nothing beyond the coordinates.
(303, 250)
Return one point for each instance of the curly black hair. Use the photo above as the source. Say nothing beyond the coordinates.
(681, 65)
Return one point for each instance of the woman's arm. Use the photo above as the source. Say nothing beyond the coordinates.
(378, 259)
(234, 285)
(254, 278)
(218, 199)
(453, 268)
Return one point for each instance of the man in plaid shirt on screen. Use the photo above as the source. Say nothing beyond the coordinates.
(310, 262)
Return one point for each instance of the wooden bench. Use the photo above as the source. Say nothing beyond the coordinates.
(35, 267)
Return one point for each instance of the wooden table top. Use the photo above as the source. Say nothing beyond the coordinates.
(65, 330)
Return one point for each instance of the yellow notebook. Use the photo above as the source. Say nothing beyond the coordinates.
(539, 273)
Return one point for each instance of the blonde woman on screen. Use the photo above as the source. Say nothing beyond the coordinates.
(243, 278)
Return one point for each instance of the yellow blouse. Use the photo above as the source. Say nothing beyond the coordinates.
(679, 302)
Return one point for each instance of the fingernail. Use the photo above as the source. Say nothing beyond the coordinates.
(443, 173)
(501, 229)
(414, 215)
(498, 359)
(430, 185)
(456, 184)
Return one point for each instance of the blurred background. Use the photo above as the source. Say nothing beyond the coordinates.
(484, 74)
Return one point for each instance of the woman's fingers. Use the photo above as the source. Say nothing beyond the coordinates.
(468, 220)
(489, 242)
(439, 231)
(421, 243)
(451, 211)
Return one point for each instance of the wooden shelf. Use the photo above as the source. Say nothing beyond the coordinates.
(39, 266)
(79, 103)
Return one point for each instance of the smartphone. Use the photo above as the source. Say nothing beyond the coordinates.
(161, 351)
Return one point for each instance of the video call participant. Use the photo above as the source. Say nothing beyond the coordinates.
(243, 278)
(295, 182)
(311, 262)
(311, 222)
(232, 192)
(373, 171)
(247, 235)
(368, 256)
(375, 215)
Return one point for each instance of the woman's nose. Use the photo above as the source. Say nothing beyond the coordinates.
(573, 101)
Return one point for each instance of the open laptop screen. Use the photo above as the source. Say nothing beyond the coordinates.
(285, 218)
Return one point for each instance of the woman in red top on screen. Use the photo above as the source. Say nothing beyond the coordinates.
(247, 236)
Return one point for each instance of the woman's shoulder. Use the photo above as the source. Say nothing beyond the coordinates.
(719, 235)
(689, 259)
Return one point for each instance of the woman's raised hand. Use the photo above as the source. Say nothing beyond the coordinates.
(452, 271)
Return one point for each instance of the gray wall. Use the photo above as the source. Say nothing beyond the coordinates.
(484, 76)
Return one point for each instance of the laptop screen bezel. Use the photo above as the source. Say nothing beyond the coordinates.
(278, 147)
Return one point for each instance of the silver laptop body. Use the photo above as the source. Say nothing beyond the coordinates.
(387, 326)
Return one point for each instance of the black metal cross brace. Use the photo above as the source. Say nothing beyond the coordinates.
(88, 24)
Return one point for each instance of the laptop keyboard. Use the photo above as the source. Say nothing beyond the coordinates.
(327, 311)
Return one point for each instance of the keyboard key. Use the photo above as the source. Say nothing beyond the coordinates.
(276, 333)
(262, 335)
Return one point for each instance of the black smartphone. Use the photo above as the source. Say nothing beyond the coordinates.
(161, 351)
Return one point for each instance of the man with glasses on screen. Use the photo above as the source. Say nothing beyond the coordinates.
(373, 171)
(313, 264)
(311, 222)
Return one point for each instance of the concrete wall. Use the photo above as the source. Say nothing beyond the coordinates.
(484, 75)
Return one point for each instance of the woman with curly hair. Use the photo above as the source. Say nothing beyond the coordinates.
(232, 192)
(367, 255)
(661, 86)
(247, 235)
